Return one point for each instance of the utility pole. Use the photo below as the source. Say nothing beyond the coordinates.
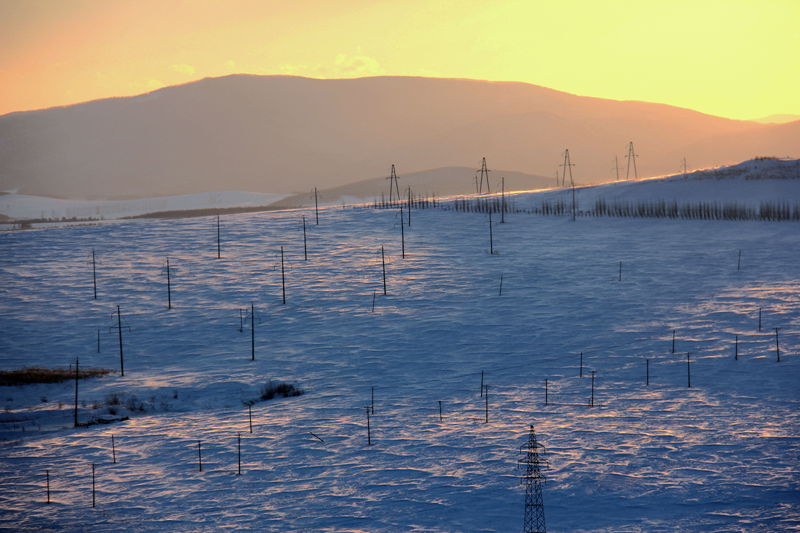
(631, 157)
(77, 376)
(316, 205)
(393, 186)
(534, 502)
(305, 241)
(252, 331)
(119, 329)
(484, 173)
(283, 279)
(502, 199)
(219, 246)
(169, 288)
(383, 264)
(94, 274)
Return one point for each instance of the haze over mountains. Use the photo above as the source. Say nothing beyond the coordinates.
(282, 135)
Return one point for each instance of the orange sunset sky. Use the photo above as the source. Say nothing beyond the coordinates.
(731, 58)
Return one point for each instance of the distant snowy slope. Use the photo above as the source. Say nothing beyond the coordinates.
(748, 184)
(21, 206)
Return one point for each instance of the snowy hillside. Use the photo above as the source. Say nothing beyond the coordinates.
(21, 206)
(749, 184)
(591, 306)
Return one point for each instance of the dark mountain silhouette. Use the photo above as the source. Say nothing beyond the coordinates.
(283, 134)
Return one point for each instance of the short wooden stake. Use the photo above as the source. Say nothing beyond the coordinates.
(545, 392)
(47, 474)
(169, 288)
(75, 412)
(759, 319)
(283, 279)
(252, 331)
(316, 205)
(486, 398)
(383, 264)
(241, 320)
(620, 271)
(239, 454)
(98, 340)
(673, 341)
(305, 240)
(113, 450)
(736, 348)
(500, 293)
(369, 430)
(440, 410)
(250, 416)
(94, 275)
(199, 458)
(373, 301)
(93, 487)
(739, 262)
(591, 400)
(491, 236)
(688, 371)
(777, 345)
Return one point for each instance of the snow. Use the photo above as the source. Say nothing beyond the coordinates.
(719, 456)
(22, 206)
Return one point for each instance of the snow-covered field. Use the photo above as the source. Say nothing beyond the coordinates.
(22, 206)
(719, 456)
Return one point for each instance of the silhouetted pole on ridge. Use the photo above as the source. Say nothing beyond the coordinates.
(631, 157)
(484, 175)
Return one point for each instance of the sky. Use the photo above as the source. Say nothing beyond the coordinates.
(732, 58)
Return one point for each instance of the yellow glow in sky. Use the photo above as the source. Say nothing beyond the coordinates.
(733, 58)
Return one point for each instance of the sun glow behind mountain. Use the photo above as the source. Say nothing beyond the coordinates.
(724, 58)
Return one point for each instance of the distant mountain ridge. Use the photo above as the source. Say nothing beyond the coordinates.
(282, 135)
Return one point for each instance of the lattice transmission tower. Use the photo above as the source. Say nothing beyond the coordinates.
(484, 174)
(393, 181)
(631, 157)
(533, 462)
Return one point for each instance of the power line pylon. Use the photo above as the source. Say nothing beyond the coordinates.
(567, 165)
(533, 478)
(393, 181)
(631, 157)
(484, 172)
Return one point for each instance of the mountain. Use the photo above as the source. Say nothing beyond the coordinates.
(280, 135)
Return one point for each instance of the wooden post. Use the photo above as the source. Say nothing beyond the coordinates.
(199, 458)
(503, 200)
(545, 391)
(369, 430)
(239, 455)
(501, 285)
(673, 341)
(93, 488)
(373, 301)
(688, 371)
(573, 199)
(383, 263)
(94, 275)
(241, 320)
(620, 271)
(119, 330)
(759, 319)
(316, 205)
(305, 240)
(250, 416)
(283, 279)
(47, 474)
(591, 401)
(739, 261)
(777, 345)
(113, 450)
(440, 410)
(252, 331)
(736, 348)
(75, 414)
(486, 398)
(409, 206)
(219, 246)
(169, 288)
(402, 235)
(491, 236)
